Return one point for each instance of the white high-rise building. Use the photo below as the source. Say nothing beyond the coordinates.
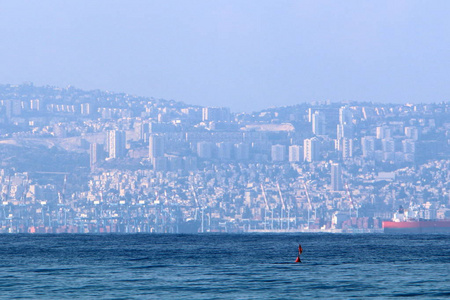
(409, 146)
(383, 132)
(205, 149)
(36, 104)
(142, 130)
(347, 148)
(336, 177)
(295, 153)
(224, 150)
(311, 149)
(95, 154)
(156, 146)
(216, 114)
(242, 151)
(116, 143)
(388, 145)
(278, 153)
(344, 131)
(318, 123)
(85, 108)
(412, 133)
(345, 115)
(368, 146)
(12, 107)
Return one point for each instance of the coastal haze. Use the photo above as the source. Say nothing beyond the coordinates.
(75, 161)
(128, 117)
(244, 55)
(224, 149)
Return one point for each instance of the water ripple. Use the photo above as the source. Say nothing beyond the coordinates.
(224, 266)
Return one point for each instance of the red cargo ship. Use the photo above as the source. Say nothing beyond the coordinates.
(419, 226)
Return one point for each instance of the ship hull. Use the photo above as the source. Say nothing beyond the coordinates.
(417, 227)
(189, 227)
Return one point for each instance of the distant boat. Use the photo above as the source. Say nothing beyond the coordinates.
(403, 223)
(417, 226)
(189, 226)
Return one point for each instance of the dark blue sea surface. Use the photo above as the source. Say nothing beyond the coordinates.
(224, 266)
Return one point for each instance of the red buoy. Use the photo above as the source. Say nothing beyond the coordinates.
(298, 259)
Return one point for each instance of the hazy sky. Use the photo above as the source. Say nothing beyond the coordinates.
(246, 55)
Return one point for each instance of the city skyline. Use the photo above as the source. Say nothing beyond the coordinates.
(224, 149)
(80, 161)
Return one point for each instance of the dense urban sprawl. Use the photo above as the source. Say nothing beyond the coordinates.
(98, 162)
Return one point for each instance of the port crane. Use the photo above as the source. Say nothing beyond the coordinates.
(309, 201)
(201, 207)
(267, 207)
(283, 209)
(352, 204)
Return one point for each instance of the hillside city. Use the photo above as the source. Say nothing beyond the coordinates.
(75, 161)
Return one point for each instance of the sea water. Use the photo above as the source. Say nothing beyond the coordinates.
(224, 266)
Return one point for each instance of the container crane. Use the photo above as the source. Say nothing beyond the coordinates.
(283, 208)
(352, 204)
(267, 207)
(309, 201)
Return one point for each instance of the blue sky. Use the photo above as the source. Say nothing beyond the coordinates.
(247, 55)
